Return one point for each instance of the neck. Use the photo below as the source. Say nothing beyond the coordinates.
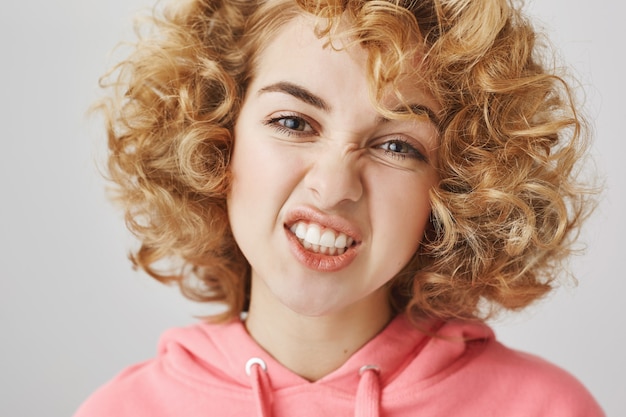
(313, 347)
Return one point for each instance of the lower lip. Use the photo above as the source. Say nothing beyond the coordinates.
(318, 261)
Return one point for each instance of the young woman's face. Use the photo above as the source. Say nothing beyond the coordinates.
(329, 199)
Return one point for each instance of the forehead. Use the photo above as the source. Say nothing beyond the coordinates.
(296, 51)
(295, 48)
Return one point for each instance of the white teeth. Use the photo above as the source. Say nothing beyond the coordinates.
(313, 235)
(341, 241)
(300, 230)
(328, 239)
(326, 242)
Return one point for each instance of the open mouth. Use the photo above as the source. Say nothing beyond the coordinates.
(318, 239)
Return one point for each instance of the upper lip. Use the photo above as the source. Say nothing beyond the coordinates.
(328, 221)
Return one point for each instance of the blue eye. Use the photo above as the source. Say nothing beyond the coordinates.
(400, 149)
(290, 124)
(293, 123)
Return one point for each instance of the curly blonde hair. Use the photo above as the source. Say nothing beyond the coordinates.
(504, 214)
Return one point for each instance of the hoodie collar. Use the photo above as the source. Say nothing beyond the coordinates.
(224, 350)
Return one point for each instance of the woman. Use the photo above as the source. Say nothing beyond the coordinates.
(359, 183)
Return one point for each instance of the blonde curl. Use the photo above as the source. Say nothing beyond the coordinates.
(508, 205)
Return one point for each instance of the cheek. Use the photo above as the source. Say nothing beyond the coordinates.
(402, 209)
(264, 173)
(248, 166)
(247, 197)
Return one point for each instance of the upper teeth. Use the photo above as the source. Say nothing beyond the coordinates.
(312, 236)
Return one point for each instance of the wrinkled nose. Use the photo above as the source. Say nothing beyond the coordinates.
(334, 177)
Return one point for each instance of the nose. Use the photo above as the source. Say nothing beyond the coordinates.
(334, 176)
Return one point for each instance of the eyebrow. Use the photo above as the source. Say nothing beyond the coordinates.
(418, 110)
(298, 92)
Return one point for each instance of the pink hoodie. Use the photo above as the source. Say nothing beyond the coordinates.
(218, 370)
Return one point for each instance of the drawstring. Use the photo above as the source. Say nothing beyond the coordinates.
(256, 370)
(368, 392)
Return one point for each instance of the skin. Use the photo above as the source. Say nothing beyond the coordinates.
(311, 148)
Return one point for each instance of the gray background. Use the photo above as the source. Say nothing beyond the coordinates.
(72, 311)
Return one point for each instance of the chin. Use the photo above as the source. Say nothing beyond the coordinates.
(314, 306)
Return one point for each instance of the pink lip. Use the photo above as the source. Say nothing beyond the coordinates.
(330, 222)
(318, 261)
